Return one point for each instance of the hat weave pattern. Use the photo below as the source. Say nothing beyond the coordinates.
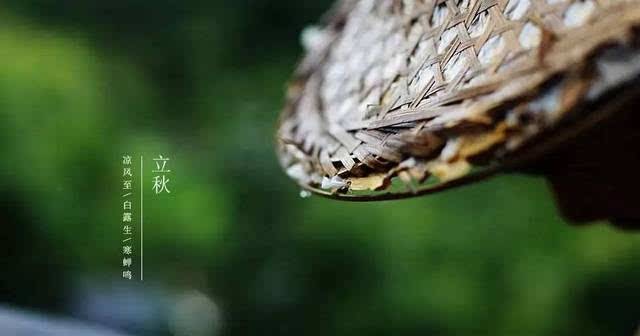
(422, 88)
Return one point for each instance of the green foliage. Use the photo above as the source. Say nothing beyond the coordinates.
(490, 259)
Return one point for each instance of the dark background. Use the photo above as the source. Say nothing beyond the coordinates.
(233, 249)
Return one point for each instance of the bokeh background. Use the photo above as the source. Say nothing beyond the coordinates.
(234, 249)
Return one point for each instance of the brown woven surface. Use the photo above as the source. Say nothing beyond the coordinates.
(414, 89)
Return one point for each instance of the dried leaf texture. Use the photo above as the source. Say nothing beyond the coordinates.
(413, 89)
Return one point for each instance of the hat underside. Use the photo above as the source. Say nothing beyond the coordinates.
(402, 97)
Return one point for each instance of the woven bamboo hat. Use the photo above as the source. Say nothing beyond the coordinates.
(397, 98)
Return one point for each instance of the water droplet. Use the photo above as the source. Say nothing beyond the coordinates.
(305, 194)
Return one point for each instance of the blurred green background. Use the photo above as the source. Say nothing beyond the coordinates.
(233, 249)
